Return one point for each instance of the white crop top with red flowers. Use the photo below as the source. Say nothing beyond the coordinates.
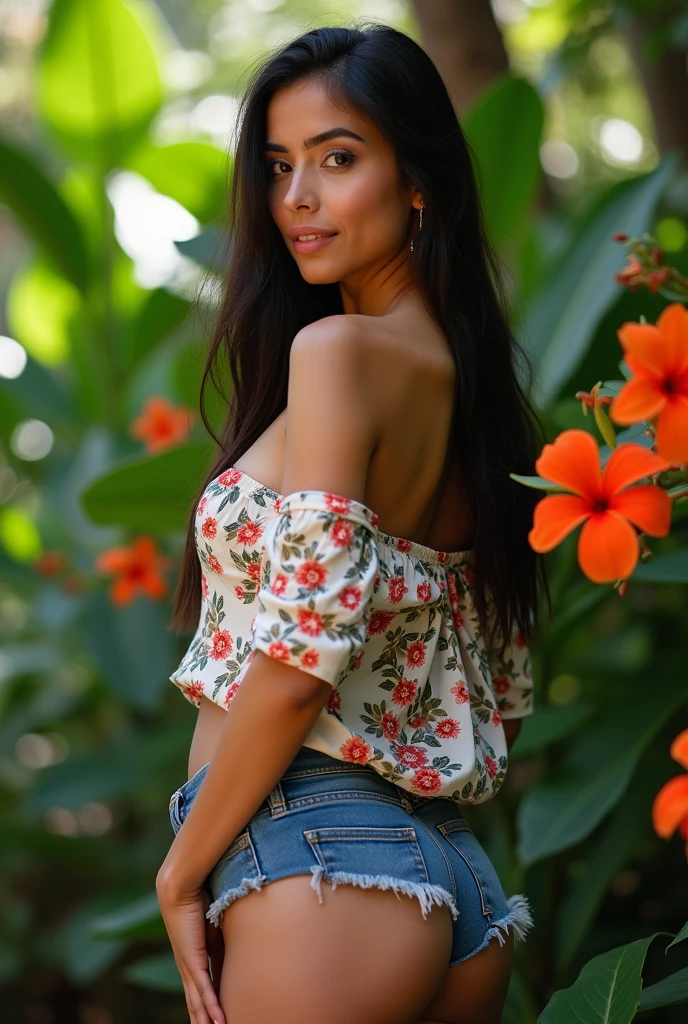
(418, 692)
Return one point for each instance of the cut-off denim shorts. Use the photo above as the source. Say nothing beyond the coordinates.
(346, 824)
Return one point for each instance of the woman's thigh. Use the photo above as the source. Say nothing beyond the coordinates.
(364, 955)
(474, 991)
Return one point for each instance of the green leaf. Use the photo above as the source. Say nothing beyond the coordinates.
(140, 919)
(194, 173)
(561, 319)
(572, 799)
(671, 567)
(607, 990)
(42, 212)
(538, 482)
(156, 972)
(668, 992)
(161, 313)
(608, 852)
(98, 84)
(151, 492)
(42, 308)
(212, 248)
(549, 725)
(504, 128)
(681, 937)
(132, 648)
(86, 777)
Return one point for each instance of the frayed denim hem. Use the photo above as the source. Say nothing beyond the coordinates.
(426, 892)
(215, 910)
(519, 918)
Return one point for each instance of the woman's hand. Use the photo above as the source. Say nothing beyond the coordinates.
(192, 943)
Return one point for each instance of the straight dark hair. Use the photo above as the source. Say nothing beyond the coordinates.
(389, 79)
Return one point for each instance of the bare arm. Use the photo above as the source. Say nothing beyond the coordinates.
(330, 438)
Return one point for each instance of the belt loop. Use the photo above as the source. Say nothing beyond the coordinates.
(276, 802)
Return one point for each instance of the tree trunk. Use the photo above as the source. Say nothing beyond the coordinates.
(464, 41)
(666, 83)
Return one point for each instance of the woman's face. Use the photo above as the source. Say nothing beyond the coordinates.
(348, 186)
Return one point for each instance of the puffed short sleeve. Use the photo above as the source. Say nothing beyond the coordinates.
(512, 680)
(318, 575)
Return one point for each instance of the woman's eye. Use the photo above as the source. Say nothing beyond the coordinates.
(342, 157)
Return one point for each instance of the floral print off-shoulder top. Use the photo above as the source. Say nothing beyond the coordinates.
(417, 690)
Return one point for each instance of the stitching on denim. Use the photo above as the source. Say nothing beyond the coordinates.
(337, 795)
(346, 769)
(487, 909)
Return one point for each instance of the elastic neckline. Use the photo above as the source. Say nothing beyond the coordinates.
(246, 484)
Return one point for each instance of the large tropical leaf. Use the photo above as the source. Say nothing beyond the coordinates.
(149, 493)
(98, 83)
(504, 128)
(561, 318)
(42, 212)
(566, 805)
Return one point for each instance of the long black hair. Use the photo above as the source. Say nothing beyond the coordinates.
(388, 78)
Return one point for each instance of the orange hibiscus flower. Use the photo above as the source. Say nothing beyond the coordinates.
(608, 545)
(657, 356)
(161, 424)
(670, 807)
(137, 569)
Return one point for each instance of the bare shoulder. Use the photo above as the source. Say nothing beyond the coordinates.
(339, 335)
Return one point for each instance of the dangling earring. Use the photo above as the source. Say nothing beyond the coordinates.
(420, 227)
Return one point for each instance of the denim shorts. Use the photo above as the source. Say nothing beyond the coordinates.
(346, 824)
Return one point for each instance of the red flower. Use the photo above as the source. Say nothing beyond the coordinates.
(337, 503)
(341, 533)
(278, 650)
(403, 545)
(415, 654)
(379, 622)
(229, 477)
(215, 565)
(310, 622)
(461, 693)
(424, 591)
(356, 749)
(253, 571)
(357, 661)
(397, 589)
(309, 659)
(389, 723)
(412, 757)
(209, 528)
(161, 424)
(496, 717)
(204, 585)
(334, 700)
(426, 781)
(447, 729)
(250, 533)
(311, 574)
(201, 505)
(500, 684)
(195, 691)
(657, 356)
(416, 721)
(404, 692)
(491, 766)
(279, 584)
(137, 570)
(229, 695)
(239, 591)
(670, 806)
(350, 598)
(602, 500)
(222, 645)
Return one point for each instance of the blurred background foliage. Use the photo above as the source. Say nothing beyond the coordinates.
(115, 157)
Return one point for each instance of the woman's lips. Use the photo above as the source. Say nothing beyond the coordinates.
(315, 243)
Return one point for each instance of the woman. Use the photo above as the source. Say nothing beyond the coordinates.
(362, 652)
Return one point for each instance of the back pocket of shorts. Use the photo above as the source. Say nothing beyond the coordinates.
(461, 837)
(357, 850)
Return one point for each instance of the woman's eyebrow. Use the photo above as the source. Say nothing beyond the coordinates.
(315, 140)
